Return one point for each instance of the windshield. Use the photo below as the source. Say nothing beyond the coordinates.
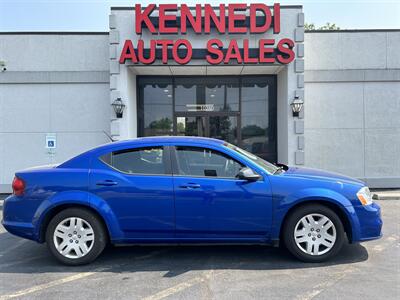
(267, 166)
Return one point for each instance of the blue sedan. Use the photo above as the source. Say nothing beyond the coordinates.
(180, 190)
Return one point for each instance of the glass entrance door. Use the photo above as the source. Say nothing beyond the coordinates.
(224, 127)
(191, 126)
(219, 126)
(238, 109)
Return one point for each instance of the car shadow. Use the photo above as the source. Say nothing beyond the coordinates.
(22, 256)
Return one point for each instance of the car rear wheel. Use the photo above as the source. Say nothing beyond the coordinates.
(313, 233)
(75, 236)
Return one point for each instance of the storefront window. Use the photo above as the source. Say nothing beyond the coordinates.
(206, 94)
(237, 109)
(224, 128)
(258, 116)
(223, 93)
(155, 106)
(187, 94)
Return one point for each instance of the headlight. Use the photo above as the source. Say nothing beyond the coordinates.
(365, 196)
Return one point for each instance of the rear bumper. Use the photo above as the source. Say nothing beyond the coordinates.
(24, 230)
(15, 224)
(369, 223)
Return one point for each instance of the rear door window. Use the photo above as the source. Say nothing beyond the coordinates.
(148, 161)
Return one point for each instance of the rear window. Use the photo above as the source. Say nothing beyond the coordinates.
(148, 161)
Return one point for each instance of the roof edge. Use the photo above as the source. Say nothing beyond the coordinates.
(352, 30)
(193, 7)
(54, 32)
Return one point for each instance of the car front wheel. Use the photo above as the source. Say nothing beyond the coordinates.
(313, 233)
(75, 236)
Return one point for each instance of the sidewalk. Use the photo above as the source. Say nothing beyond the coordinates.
(387, 194)
(3, 196)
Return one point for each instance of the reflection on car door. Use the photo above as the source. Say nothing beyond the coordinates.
(137, 185)
(210, 203)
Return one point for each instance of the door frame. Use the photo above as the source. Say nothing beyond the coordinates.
(271, 79)
(207, 233)
(207, 115)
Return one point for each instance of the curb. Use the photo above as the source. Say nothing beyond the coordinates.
(3, 196)
(387, 194)
(394, 197)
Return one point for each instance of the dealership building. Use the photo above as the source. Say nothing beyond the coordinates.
(249, 75)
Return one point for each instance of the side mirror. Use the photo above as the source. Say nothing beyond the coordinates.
(248, 174)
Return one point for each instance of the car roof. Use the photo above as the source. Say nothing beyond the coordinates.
(162, 140)
(84, 157)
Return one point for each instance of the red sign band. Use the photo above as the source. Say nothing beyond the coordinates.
(231, 18)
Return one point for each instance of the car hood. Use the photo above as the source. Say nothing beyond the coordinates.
(320, 175)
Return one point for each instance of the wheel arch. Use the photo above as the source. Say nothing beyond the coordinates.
(58, 208)
(335, 207)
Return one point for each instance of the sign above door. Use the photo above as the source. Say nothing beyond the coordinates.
(229, 19)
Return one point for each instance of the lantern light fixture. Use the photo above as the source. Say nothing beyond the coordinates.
(119, 107)
(3, 67)
(297, 106)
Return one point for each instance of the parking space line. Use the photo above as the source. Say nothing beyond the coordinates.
(50, 284)
(74, 277)
(21, 261)
(189, 283)
(319, 288)
(181, 286)
(17, 244)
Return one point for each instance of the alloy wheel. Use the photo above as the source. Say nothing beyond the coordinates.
(315, 234)
(73, 237)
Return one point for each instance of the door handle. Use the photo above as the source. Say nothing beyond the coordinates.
(190, 186)
(106, 183)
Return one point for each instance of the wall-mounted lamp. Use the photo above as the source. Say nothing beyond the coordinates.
(297, 106)
(119, 107)
(3, 67)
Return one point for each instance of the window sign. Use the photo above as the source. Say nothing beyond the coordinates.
(200, 107)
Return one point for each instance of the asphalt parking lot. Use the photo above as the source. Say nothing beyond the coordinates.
(365, 271)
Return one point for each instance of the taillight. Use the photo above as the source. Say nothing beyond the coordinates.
(18, 186)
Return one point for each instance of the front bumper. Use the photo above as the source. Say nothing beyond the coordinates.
(369, 223)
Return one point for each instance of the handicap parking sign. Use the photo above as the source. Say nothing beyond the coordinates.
(51, 142)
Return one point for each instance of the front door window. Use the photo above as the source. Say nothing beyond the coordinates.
(202, 162)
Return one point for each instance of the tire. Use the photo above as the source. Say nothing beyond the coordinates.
(78, 233)
(313, 241)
